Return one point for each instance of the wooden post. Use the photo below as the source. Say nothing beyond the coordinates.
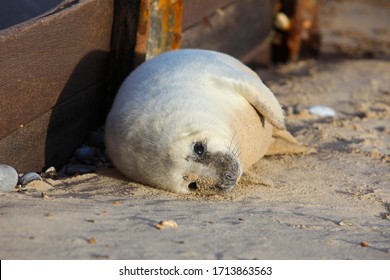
(159, 28)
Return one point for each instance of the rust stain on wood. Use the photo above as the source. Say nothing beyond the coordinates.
(165, 33)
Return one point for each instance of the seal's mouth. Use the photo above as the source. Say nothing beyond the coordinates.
(216, 188)
(212, 173)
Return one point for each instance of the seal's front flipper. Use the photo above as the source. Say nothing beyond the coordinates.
(285, 144)
(257, 94)
(251, 178)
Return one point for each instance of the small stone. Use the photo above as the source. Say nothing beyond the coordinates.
(91, 240)
(51, 173)
(298, 108)
(345, 223)
(84, 153)
(294, 109)
(29, 177)
(289, 110)
(8, 178)
(166, 224)
(364, 244)
(116, 202)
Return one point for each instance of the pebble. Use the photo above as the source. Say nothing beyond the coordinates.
(322, 111)
(51, 173)
(166, 224)
(91, 240)
(295, 109)
(84, 153)
(76, 169)
(345, 223)
(29, 177)
(8, 178)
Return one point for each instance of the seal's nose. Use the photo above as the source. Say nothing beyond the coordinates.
(229, 179)
(229, 176)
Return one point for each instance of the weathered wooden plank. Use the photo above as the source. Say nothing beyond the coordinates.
(50, 139)
(242, 29)
(49, 59)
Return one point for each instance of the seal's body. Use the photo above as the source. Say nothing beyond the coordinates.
(191, 120)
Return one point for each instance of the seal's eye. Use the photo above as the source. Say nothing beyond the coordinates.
(199, 148)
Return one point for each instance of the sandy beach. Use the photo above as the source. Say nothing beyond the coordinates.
(331, 204)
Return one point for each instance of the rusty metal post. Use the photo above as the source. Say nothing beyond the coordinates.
(302, 29)
(159, 28)
(142, 29)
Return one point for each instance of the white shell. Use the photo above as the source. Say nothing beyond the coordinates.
(322, 111)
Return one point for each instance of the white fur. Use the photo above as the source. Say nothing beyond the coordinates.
(174, 100)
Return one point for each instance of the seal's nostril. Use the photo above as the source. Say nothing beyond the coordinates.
(229, 176)
(192, 186)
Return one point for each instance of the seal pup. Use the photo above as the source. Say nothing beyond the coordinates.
(191, 120)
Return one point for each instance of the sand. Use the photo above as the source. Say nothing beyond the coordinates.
(332, 204)
(321, 205)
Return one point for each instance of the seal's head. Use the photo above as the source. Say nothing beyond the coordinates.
(208, 168)
(165, 151)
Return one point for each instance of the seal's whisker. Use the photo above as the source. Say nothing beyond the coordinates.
(236, 150)
(231, 140)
